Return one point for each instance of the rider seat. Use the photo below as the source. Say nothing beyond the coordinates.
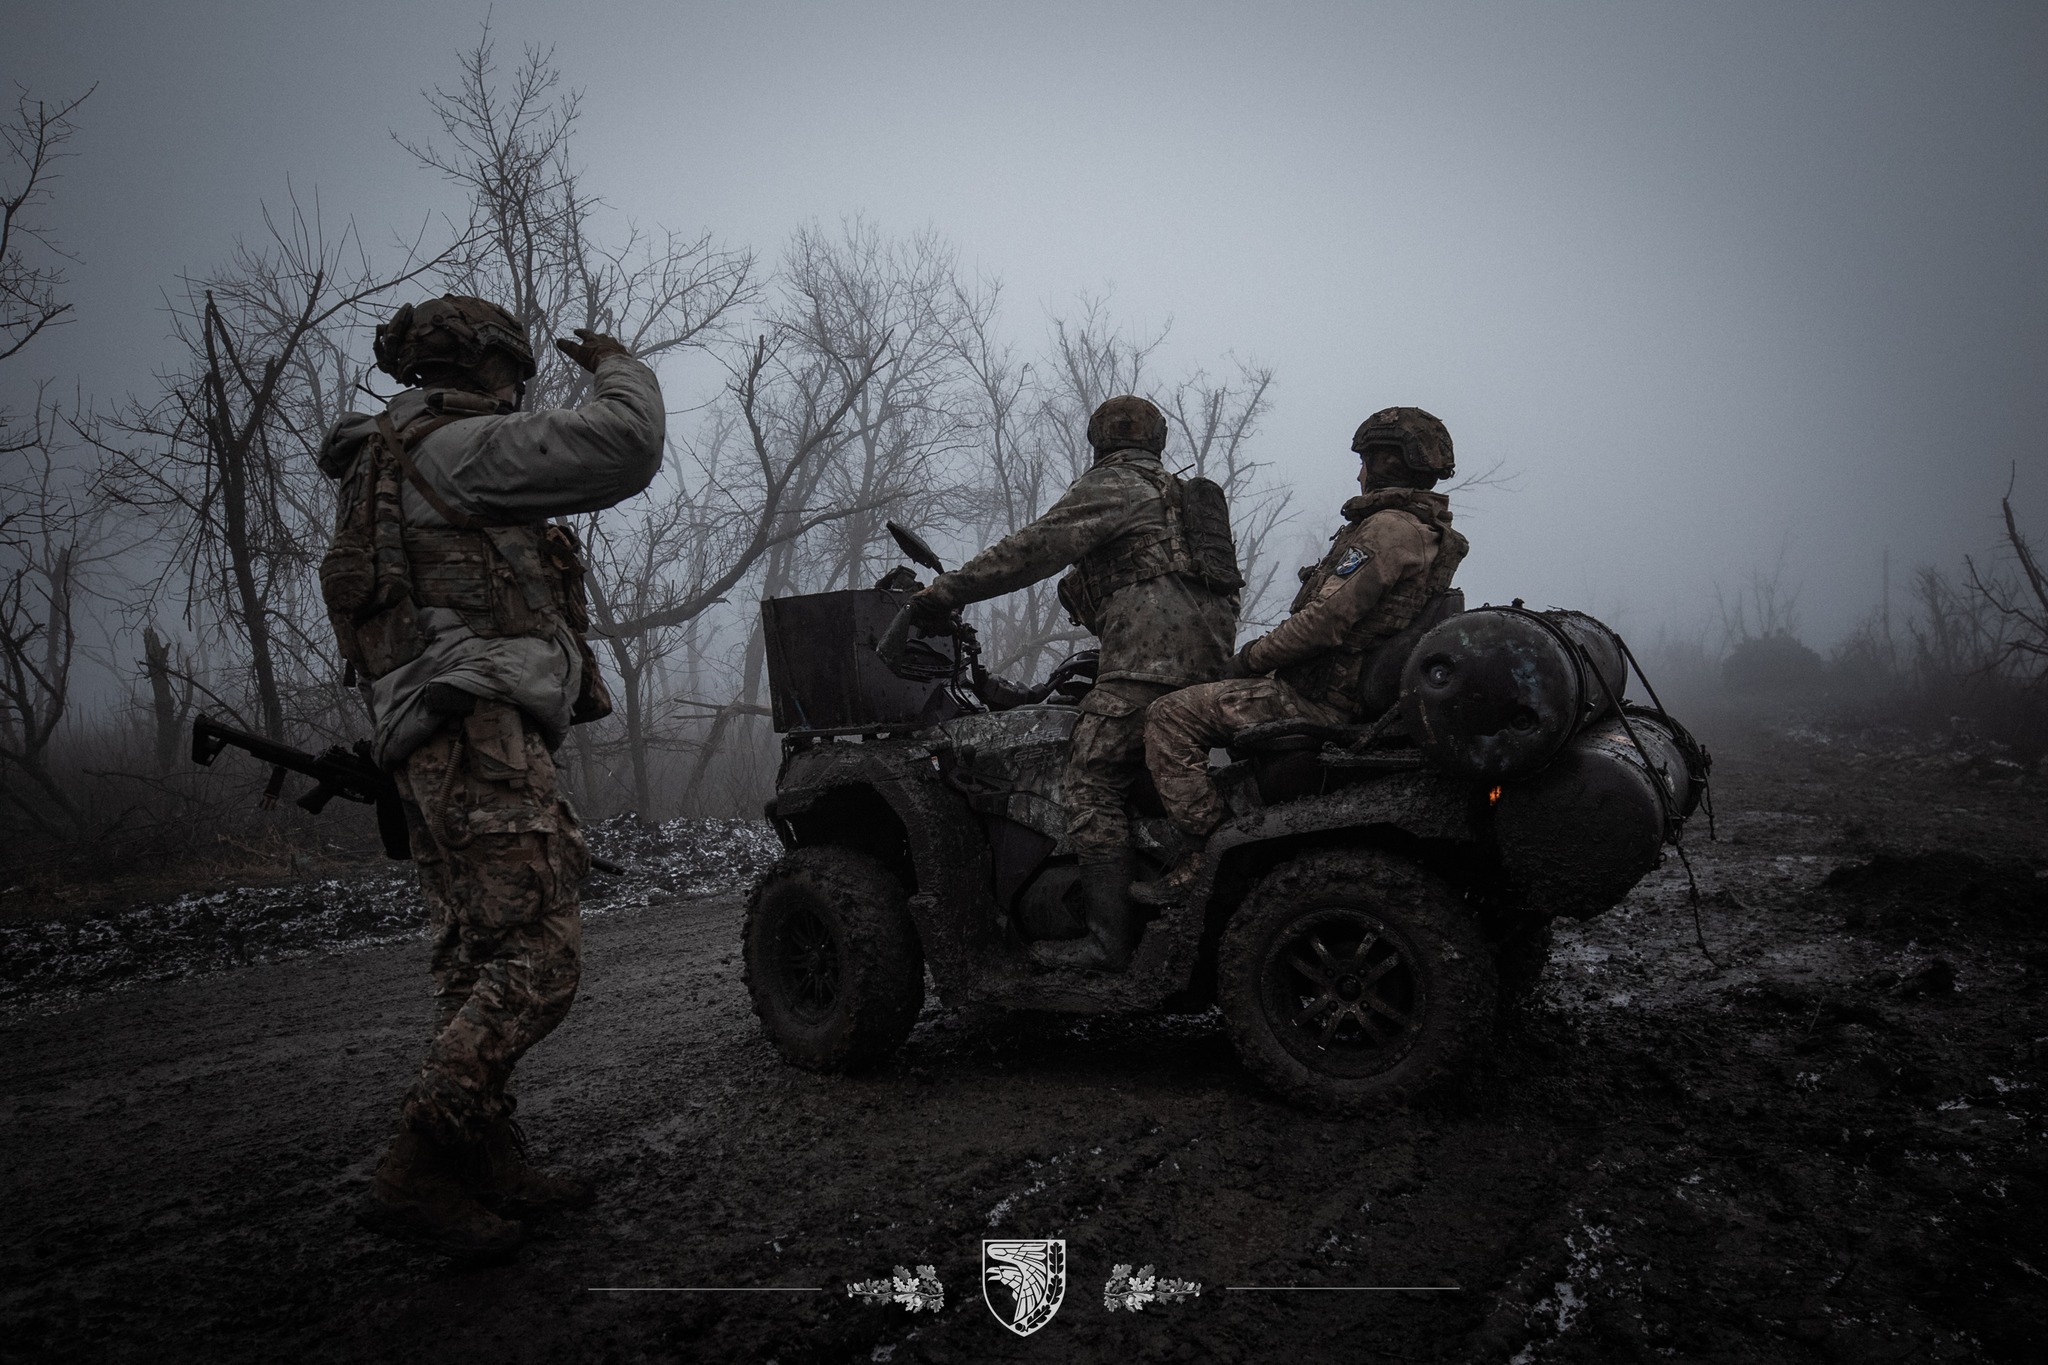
(1299, 757)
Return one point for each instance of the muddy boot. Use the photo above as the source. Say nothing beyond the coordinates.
(419, 1195)
(509, 1185)
(1178, 882)
(1175, 885)
(1105, 885)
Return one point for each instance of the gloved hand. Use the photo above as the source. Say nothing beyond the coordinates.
(928, 610)
(593, 347)
(923, 614)
(1000, 694)
(1240, 664)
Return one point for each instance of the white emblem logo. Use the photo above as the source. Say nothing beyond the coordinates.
(1022, 1282)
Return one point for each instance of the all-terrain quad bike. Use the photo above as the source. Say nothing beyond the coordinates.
(1379, 890)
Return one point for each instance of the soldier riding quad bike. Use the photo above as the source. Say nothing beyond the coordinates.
(1379, 890)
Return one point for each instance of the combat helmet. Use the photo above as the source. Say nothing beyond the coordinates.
(1125, 422)
(455, 331)
(1425, 442)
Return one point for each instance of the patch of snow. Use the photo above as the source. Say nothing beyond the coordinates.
(53, 962)
(1002, 1209)
(1569, 1305)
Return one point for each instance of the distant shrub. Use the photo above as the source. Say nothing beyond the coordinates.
(1777, 662)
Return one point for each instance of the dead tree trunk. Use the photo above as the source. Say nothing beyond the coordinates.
(165, 705)
(36, 646)
(230, 443)
(633, 712)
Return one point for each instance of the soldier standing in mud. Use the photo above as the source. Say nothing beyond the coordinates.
(1161, 625)
(1395, 552)
(462, 609)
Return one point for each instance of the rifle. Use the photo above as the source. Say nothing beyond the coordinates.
(350, 774)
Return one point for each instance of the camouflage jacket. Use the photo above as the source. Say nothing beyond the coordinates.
(1395, 551)
(515, 469)
(1167, 629)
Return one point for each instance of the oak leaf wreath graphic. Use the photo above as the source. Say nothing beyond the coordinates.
(919, 1293)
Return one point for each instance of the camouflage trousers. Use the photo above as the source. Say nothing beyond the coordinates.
(1181, 728)
(1105, 759)
(500, 857)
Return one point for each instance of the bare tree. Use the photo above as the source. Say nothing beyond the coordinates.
(1216, 420)
(31, 273)
(539, 245)
(1090, 359)
(34, 139)
(171, 694)
(221, 461)
(851, 303)
(1018, 468)
(861, 293)
(1956, 632)
(676, 560)
(641, 558)
(2022, 607)
(1766, 607)
(51, 540)
(790, 405)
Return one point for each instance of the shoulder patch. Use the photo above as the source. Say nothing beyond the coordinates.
(1348, 565)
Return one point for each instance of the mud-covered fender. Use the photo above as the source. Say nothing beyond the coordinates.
(1422, 805)
(832, 793)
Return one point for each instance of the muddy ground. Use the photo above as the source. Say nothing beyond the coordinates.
(1824, 1144)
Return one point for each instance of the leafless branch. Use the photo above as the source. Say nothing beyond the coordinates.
(34, 139)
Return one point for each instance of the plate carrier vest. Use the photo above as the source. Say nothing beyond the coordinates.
(517, 580)
(1196, 543)
(1333, 678)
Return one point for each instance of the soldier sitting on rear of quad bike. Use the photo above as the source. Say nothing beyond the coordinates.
(1394, 556)
(1166, 612)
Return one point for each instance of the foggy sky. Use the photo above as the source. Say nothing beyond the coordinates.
(1715, 280)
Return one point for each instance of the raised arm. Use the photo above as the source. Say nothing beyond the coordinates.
(531, 465)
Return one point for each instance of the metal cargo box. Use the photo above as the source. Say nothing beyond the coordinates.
(824, 674)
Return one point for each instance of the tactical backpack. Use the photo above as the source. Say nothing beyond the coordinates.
(1204, 512)
(1198, 545)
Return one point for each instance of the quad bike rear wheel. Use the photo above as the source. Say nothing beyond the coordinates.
(832, 959)
(1352, 980)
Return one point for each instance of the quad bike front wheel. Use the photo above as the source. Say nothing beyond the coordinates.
(1351, 980)
(832, 959)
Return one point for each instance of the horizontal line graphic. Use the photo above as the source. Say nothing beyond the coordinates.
(703, 1289)
(1338, 1288)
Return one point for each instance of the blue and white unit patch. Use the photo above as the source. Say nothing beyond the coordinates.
(1348, 565)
